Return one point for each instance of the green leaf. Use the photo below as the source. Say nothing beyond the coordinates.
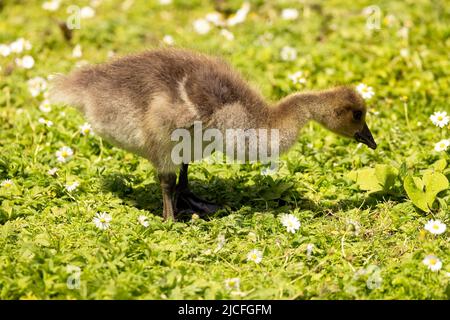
(386, 175)
(416, 194)
(423, 192)
(435, 182)
(380, 178)
(440, 165)
(367, 180)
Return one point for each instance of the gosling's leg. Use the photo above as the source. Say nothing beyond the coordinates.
(168, 184)
(188, 202)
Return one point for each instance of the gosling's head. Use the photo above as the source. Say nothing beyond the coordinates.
(348, 115)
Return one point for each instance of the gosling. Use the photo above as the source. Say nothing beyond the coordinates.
(136, 102)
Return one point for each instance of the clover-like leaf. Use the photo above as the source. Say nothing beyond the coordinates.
(415, 193)
(423, 192)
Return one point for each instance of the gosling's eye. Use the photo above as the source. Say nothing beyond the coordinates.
(357, 115)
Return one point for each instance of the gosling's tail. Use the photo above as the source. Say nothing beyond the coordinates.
(69, 89)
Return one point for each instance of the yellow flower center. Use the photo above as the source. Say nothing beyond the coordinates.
(440, 118)
(433, 261)
(102, 220)
(64, 154)
(435, 227)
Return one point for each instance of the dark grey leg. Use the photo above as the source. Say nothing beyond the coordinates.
(188, 202)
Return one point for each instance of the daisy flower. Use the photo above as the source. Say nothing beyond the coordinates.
(168, 39)
(288, 53)
(52, 5)
(227, 34)
(64, 154)
(86, 129)
(309, 249)
(297, 78)
(143, 220)
(4, 50)
(48, 123)
(77, 52)
(440, 119)
(290, 222)
(45, 106)
(435, 226)
(233, 284)
(87, 12)
(7, 183)
(432, 262)
(240, 15)
(220, 242)
(442, 145)
(255, 255)
(202, 26)
(215, 18)
(52, 171)
(365, 91)
(36, 86)
(73, 186)
(102, 220)
(27, 62)
(19, 45)
(289, 14)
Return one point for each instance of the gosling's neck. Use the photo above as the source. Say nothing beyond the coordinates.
(291, 113)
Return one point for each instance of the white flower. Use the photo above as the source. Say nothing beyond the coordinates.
(48, 123)
(365, 91)
(102, 220)
(240, 15)
(432, 262)
(288, 53)
(227, 34)
(233, 284)
(442, 145)
(289, 14)
(86, 129)
(168, 39)
(7, 183)
(52, 171)
(215, 18)
(435, 226)
(309, 249)
(36, 86)
(64, 154)
(27, 62)
(404, 52)
(202, 26)
(45, 106)
(290, 222)
(73, 269)
(4, 50)
(165, 2)
(255, 256)
(76, 52)
(19, 45)
(220, 242)
(87, 12)
(73, 186)
(297, 78)
(52, 5)
(143, 220)
(354, 226)
(440, 119)
(403, 33)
